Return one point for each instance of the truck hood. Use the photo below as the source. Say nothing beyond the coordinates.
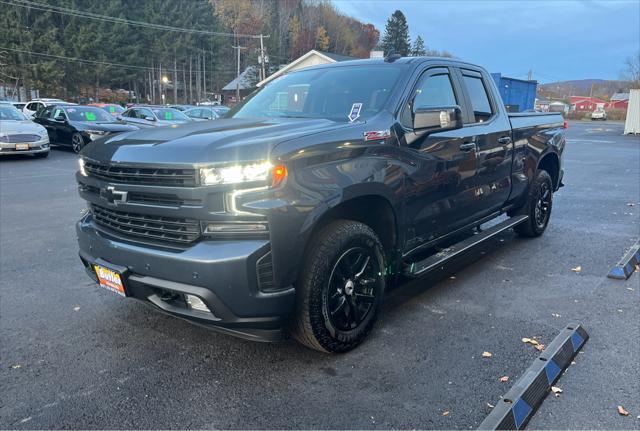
(220, 141)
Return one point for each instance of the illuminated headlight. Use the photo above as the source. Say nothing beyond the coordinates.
(95, 134)
(235, 174)
(83, 172)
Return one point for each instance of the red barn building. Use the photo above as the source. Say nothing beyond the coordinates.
(587, 104)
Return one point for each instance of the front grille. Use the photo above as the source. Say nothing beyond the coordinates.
(19, 138)
(159, 228)
(148, 176)
(148, 198)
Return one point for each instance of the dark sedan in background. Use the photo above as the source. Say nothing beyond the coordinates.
(75, 126)
(153, 116)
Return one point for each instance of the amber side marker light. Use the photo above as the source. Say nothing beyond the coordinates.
(278, 174)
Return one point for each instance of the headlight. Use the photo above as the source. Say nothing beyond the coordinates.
(43, 134)
(236, 173)
(95, 134)
(81, 164)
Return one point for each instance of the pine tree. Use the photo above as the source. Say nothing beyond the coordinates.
(396, 35)
(418, 49)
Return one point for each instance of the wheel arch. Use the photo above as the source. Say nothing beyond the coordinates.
(550, 162)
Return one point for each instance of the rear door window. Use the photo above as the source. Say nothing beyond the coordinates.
(477, 91)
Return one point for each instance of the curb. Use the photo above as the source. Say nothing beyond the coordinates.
(627, 264)
(519, 404)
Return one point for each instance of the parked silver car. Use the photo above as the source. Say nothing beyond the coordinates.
(18, 135)
(153, 116)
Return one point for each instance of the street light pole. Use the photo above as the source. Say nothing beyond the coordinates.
(238, 48)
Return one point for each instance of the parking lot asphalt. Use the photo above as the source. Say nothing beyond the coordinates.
(77, 356)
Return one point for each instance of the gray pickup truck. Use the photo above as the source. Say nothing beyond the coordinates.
(296, 211)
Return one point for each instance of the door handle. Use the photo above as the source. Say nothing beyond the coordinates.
(468, 146)
(504, 140)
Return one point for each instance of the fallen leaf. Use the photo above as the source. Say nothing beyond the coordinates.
(486, 354)
(453, 277)
(76, 308)
(556, 390)
(573, 362)
(530, 341)
(490, 405)
(504, 378)
(622, 411)
(446, 413)
(539, 347)
(631, 204)
(555, 315)
(630, 289)
(577, 269)
(16, 366)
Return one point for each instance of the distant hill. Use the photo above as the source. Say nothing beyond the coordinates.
(602, 88)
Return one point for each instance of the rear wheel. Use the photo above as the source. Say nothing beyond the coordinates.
(340, 290)
(538, 206)
(77, 142)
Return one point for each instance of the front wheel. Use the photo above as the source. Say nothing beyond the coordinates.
(538, 206)
(340, 289)
(77, 142)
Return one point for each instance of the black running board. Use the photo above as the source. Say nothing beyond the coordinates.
(437, 260)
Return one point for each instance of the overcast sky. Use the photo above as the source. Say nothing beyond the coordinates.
(558, 40)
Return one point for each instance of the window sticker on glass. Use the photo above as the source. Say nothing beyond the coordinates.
(91, 116)
(355, 112)
(168, 115)
(112, 109)
(71, 109)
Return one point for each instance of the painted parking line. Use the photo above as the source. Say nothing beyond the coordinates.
(594, 141)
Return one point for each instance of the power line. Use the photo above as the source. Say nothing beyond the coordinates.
(103, 63)
(90, 15)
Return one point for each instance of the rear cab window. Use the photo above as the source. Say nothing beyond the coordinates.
(478, 96)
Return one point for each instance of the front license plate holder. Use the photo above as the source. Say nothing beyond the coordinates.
(22, 147)
(110, 278)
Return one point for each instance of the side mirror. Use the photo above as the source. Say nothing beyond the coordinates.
(149, 118)
(119, 118)
(437, 119)
(60, 119)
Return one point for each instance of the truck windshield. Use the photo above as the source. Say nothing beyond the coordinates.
(341, 93)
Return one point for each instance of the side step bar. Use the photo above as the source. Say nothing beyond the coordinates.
(437, 260)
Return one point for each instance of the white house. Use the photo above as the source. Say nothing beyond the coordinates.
(311, 58)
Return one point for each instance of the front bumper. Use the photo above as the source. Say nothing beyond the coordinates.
(41, 146)
(221, 273)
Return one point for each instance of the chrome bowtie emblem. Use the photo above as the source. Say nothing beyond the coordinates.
(113, 196)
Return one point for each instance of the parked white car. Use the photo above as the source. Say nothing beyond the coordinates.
(36, 104)
(19, 135)
(599, 114)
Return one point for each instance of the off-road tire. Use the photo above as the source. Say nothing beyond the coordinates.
(312, 324)
(534, 227)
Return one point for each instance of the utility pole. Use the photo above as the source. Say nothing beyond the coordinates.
(530, 75)
(204, 74)
(238, 48)
(175, 80)
(262, 58)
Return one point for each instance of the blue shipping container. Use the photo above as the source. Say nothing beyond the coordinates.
(518, 95)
